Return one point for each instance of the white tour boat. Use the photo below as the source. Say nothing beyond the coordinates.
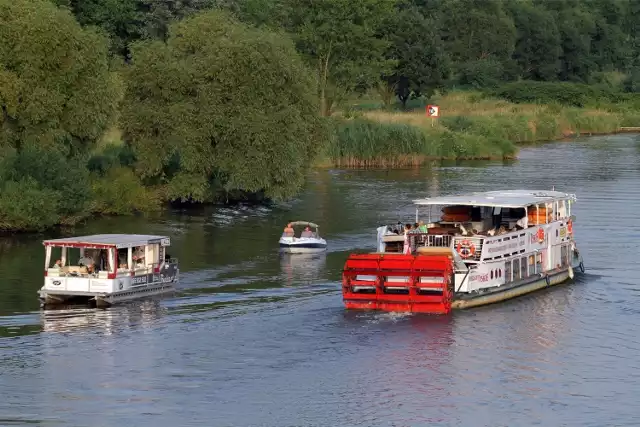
(485, 247)
(106, 269)
(308, 241)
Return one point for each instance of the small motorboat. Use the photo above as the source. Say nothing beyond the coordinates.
(308, 240)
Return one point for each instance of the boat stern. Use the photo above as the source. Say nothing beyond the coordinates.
(398, 283)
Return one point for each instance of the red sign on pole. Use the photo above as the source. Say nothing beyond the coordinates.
(433, 111)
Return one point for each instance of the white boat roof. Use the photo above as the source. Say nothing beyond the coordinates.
(506, 199)
(118, 240)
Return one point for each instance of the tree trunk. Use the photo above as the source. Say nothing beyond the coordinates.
(325, 105)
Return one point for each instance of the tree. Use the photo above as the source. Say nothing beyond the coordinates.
(56, 89)
(422, 63)
(477, 29)
(221, 106)
(340, 40)
(537, 50)
(126, 21)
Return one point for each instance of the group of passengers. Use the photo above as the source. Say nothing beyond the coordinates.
(416, 228)
(290, 232)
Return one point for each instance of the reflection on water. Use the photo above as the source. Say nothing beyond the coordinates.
(255, 337)
(302, 268)
(127, 316)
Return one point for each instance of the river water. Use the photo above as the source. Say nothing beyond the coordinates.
(256, 339)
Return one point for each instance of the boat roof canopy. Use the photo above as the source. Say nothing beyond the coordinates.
(303, 223)
(110, 240)
(505, 199)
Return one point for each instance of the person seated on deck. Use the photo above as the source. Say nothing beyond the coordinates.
(307, 232)
(522, 223)
(87, 262)
(288, 231)
(422, 227)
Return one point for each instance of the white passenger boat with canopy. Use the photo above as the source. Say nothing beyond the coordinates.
(106, 269)
(307, 241)
(499, 244)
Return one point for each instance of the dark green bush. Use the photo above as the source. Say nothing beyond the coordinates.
(40, 188)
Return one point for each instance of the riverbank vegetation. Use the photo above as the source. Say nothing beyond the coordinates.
(118, 107)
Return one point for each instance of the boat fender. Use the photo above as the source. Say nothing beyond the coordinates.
(571, 273)
(581, 266)
(548, 280)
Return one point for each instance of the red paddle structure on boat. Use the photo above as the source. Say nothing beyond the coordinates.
(371, 281)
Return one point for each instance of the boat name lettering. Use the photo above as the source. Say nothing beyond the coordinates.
(56, 282)
(140, 280)
(509, 245)
(479, 278)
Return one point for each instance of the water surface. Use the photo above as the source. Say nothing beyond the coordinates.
(253, 338)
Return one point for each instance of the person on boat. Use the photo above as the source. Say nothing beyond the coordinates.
(288, 231)
(307, 232)
(522, 223)
(422, 227)
(407, 244)
(382, 231)
(86, 261)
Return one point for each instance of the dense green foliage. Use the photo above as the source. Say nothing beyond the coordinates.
(221, 106)
(412, 47)
(219, 99)
(56, 89)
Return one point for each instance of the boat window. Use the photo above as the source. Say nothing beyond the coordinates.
(564, 258)
(54, 256)
(123, 259)
(153, 251)
(532, 265)
(138, 257)
(523, 267)
(507, 271)
(516, 269)
(539, 263)
(476, 214)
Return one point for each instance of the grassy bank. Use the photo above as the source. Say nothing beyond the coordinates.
(471, 126)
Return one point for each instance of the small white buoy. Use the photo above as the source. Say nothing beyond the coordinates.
(571, 274)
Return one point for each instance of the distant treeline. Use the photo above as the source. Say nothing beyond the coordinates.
(412, 47)
(228, 99)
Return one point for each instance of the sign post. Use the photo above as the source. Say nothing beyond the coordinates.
(433, 111)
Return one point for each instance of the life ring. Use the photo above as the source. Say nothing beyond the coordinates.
(466, 249)
(570, 226)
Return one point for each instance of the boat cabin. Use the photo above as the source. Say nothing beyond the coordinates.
(108, 263)
(105, 256)
(465, 222)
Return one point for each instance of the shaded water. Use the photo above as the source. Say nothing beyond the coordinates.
(253, 338)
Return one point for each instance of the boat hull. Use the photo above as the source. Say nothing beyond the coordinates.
(302, 246)
(379, 300)
(49, 299)
(527, 286)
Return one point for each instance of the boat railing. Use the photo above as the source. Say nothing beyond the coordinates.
(417, 240)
